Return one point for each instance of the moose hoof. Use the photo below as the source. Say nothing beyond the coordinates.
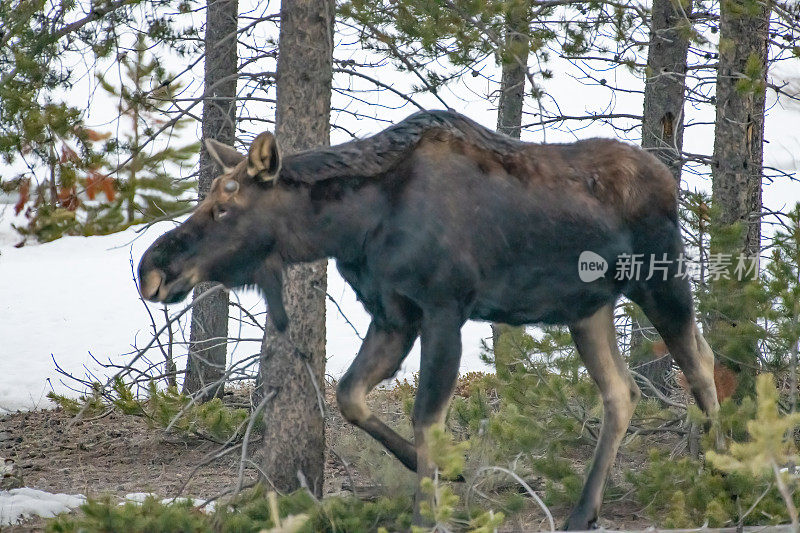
(580, 522)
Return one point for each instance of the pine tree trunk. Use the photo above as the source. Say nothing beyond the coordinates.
(737, 170)
(662, 135)
(739, 134)
(209, 326)
(665, 85)
(293, 364)
(514, 60)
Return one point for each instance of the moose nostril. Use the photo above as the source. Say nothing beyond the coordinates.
(150, 283)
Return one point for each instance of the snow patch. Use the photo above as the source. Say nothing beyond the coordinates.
(73, 297)
(19, 504)
(140, 497)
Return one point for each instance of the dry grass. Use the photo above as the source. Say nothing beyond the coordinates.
(118, 454)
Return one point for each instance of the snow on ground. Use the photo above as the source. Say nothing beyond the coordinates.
(140, 497)
(20, 504)
(17, 505)
(66, 299)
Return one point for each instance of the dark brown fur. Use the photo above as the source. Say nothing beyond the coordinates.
(437, 220)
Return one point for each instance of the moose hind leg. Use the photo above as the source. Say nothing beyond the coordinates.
(380, 356)
(441, 354)
(668, 306)
(595, 339)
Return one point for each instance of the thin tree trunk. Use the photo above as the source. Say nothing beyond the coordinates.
(737, 170)
(662, 135)
(52, 181)
(209, 329)
(293, 364)
(514, 61)
(795, 321)
(665, 84)
(739, 133)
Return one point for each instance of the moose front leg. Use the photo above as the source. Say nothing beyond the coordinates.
(596, 341)
(381, 354)
(441, 354)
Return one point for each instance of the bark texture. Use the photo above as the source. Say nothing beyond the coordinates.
(662, 135)
(209, 326)
(514, 60)
(665, 84)
(737, 169)
(293, 364)
(739, 133)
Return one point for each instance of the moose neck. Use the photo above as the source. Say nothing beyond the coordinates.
(322, 220)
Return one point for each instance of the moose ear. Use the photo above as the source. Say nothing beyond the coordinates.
(226, 156)
(263, 159)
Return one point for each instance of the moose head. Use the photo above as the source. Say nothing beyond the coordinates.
(231, 237)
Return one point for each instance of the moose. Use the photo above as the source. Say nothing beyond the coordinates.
(437, 220)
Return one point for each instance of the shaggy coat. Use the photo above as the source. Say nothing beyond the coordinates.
(435, 221)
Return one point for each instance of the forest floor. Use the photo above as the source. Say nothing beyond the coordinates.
(116, 454)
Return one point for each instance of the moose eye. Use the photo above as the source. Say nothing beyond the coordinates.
(231, 186)
(218, 212)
